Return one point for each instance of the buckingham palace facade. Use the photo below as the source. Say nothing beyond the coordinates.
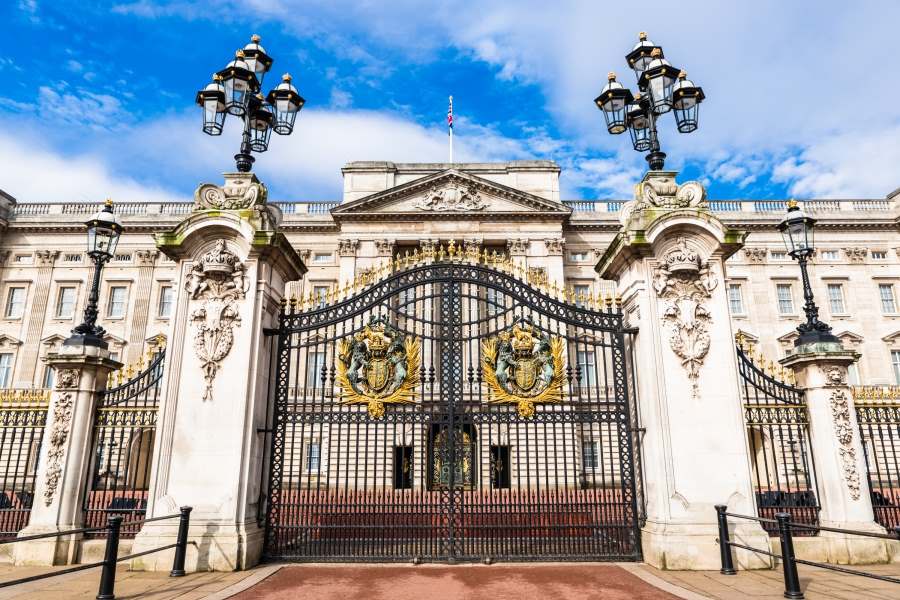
(44, 272)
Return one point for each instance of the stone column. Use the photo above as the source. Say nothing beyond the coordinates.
(555, 270)
(233, 264)
(668, 260)
(65, 458)
(37, 315)
(821, 370)
(145, 260)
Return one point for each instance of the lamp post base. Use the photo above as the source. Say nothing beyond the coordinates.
(85, 339)
(656, 160)
(816, 337)
(244, 162)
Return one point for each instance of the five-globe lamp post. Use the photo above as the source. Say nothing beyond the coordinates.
(103, 229)
(797, 230)
(236, 91)
(661, 88)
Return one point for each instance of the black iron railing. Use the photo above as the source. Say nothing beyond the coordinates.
(23, 415)
(124, 434)
(878, 415)
(783, 470)
(112, 531)
(786, 531)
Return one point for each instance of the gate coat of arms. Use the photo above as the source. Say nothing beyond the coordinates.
(523, 365)
(378, 365)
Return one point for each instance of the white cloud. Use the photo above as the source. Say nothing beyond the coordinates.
(80, 107)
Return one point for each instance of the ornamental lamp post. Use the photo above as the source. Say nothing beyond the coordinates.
(103, 229)
(236, 91)
(797, 230)
(662, 88)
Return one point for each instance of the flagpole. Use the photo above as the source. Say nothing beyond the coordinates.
(450, 125)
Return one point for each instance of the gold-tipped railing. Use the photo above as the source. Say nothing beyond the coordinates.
(451, 253)
(24, 398)
(136, 368)
(876, 395)
(763, 363)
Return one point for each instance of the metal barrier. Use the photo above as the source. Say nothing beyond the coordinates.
(111, 556)
(787, 557)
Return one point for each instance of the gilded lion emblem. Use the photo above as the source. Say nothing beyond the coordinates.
(523, 365)
(378, 365)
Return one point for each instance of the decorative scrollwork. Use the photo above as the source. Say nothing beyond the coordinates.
(523, 365)
(452, 198)
(239, 192)
(59, 433)
(378, 365)
(843, 430)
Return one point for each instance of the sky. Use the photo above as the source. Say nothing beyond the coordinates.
(98, 98)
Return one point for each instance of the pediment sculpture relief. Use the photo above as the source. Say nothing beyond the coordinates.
(660, 190)
(684, 282)
(239, 192)
(452, 198)
(218, 281)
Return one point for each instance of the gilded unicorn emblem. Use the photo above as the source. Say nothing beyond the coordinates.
(378, 365)
(523, 365)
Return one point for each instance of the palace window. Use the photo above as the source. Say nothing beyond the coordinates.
(589, 456)
(118, 298)
(166, 301)
(315, 362)
(853, 374)
(72, 257)
(888, 299)
(735, 299)
(582, 294)
(320, 295)
(829, 254)
(403, 467)
(65, 303)
(836, 298)
(321, 257)
(6, 362)
(895, 363)
(778, 254)
(879, 254)
(578, 256)
(15, 303)
(48, 377)
(785, 292)
(493, 301)
(122, 258)
(587, 365)
(23, 259)
(313, 456)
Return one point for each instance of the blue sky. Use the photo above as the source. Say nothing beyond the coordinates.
(98, 97)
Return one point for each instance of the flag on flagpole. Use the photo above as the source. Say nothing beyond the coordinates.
(450, 116)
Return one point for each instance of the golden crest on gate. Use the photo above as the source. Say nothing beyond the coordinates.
(523, 365)
(378, 365)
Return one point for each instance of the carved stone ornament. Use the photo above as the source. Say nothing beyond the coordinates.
(59, 433)
(46, 258)
(452, 198)
(755, 255)
(218, 280)
(523, 365)
(856, 254)
(384, 247)
(517, 246)
(239, 192)
(347, 247)
(835, 376)
(67, 379)
(660, 190)
(684, 281)
(145, 258)
(843, 431)
(377, 366)
(555, 245)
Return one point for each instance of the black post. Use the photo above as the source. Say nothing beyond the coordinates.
(724, 542)
(791, 579)
(813, 330)
(181, 543)
(108, 576)
(656, 158)
(243, 159)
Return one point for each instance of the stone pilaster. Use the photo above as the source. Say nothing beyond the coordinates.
(669, 263)
(146, 261)
(65, 458)
(385, 248)
(37, 316)
(554, 261)
(840, 467)
(347, 249)
(233, 265)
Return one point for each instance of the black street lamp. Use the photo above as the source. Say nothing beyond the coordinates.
(235, 90)
(103, 229)
(663, 88)
(797, 230)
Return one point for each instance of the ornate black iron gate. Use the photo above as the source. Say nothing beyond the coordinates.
(449, 411)
(777, 421)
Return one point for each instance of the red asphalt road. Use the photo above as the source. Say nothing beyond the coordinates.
(466, 582)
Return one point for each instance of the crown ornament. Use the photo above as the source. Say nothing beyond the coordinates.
(682, 259)
(219, 261)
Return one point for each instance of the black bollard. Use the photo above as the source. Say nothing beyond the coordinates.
(791, 579)
(107, 589)
(181, 543)
(724, 542)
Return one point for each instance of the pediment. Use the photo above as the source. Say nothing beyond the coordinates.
(450, 194)
(8, 341)
(892, 338)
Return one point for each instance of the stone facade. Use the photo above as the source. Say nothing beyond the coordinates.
(512, 208)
